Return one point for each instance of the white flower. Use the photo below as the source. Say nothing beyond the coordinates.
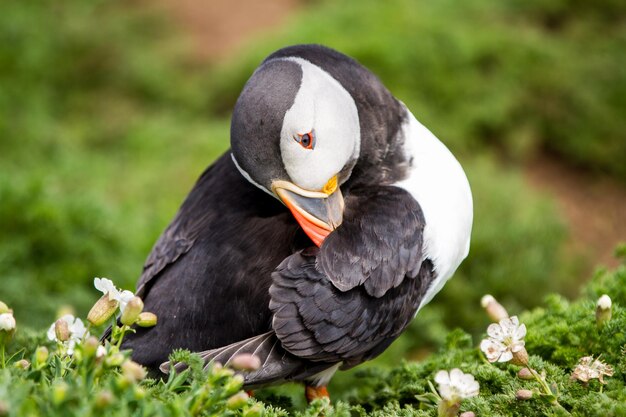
(7, 322)
(77, 332)
(456, 385)
(100, 352)
(106, 286)
(505, 339)
(604, 302)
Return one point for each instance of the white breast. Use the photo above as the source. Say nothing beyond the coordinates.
(439, 185)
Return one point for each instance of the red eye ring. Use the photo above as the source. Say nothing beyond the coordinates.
(306, 140)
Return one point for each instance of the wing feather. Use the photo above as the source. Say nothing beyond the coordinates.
(343, 302)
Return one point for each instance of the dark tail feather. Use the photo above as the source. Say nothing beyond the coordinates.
(276, 363)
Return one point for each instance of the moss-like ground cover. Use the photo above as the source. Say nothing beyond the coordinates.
(559, 334)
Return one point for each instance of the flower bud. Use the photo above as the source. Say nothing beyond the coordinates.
(59, 392)
(246, 362)
(520, 357)
(146, 319)
(448, 408)
(62, 330)
(22, 364)
(131, 311)
(220, 372)
(132, 371)
(255, 411)
(468, 414)
(139, 393)
(237, 401)
(603, 310)
(104, 398)
(116, 359)
(7, 322)
(102, 310)
(523, 394)
(7, 328)
(525, 374)
(234, 384)
(90, 346)
(4, 308)
(41, 355)
(494, 309)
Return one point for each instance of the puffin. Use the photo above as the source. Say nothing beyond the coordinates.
(316, 238)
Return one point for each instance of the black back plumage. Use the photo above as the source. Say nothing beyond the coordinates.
(211, 260)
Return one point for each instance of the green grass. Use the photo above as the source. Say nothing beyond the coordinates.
(517, 76)
(115, 124)
(559, 334)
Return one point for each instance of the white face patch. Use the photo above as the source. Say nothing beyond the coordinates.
(324, 107)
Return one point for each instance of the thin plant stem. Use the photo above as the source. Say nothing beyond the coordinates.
(546, 389)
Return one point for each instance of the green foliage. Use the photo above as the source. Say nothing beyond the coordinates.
(517, 75)
(86, 385)
(95, 120)
(559, 334)
(113, 131)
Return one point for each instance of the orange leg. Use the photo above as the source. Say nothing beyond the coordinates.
(250, 393)
(313, 393)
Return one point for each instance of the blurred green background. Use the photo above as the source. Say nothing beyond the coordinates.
(109, 111)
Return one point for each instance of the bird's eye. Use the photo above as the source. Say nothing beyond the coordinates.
(307, 140)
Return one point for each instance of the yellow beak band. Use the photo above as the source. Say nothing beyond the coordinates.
(330, 186)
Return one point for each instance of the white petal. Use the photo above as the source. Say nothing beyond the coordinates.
(506, 356)
(106, 286)
(77, 329)
(456, 377)
(124, 298)
(446, 392)
(101, 351)
(521, 332)
(492, 349)
(494, 330)
(103, 284)
(51, 333)
(472, 389)
(604, 302)
(508, 326)
(68, 318)
(466, 380)
(71, 344)
(442, 377)
(517, 346)
(7, 322)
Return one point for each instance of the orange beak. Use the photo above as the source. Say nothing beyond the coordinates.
(317, 212)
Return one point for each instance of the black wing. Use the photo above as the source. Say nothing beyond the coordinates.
(349, 300)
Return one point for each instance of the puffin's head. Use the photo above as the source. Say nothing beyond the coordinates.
(295, 134)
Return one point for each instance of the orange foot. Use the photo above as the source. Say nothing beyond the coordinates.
(313, 393)
(250, 393)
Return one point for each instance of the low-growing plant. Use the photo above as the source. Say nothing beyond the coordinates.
(557, 360)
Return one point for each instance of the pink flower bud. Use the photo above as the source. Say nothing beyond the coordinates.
(62, 330)
(523, 394)
(494, 309)
(246, 362)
